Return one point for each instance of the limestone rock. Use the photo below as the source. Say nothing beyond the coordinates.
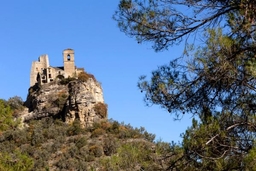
(82, 100)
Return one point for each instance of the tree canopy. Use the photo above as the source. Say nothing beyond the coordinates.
(214, 81)
(168, 22)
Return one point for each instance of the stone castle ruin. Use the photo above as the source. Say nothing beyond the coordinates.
(77, 99)
(41, 71)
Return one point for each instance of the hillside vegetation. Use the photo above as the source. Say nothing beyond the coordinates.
(51, 144)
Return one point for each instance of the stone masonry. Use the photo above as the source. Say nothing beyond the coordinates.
(41, 71)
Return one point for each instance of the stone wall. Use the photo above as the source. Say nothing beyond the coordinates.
(41, 72)
(69, 62)
(37, 67)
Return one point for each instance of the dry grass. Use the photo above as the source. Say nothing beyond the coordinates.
(101, 109)
(84, 76)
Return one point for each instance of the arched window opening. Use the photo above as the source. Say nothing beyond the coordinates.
(38, 77)
(68, 57)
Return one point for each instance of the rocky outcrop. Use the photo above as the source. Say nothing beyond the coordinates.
(75, 99)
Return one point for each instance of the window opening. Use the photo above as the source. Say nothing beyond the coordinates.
(68, 57)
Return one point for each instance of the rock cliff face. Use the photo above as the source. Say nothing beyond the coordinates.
(76, 99)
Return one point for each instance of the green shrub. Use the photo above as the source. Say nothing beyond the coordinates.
(17, 137)
(110, 146)
(97, 132)
(89, 158)
(105, 125)
(66, 163)
(16, 104)
(163, 147)
(75, 128)
(81, 142)
(133, 154)
(114, 127)
(65, 81)
(95, 150)
(73, 151)
(123, 134)
(40, 158)
(61, 99)
(6, 118)
(84, 152)
(16, 161)
(37, 138)
(52, 144)
(147, 136)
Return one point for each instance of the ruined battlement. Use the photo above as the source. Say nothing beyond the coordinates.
(42, 73)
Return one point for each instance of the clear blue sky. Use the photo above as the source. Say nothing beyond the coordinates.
(30, 28)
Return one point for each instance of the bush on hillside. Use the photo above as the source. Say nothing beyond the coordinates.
(65, 81)
(84, 76)
(6, 117)
(101, 109)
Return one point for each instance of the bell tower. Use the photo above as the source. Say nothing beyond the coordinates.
(69, 62)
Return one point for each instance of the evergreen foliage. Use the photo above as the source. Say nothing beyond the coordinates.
(216, 83)
(51, 144)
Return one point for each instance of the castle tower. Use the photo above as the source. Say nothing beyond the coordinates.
(69, 62)
(38, 67)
